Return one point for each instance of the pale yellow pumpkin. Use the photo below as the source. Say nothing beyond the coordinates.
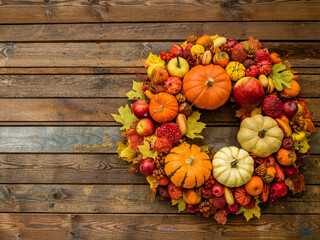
(232, 167)
(235, 70)
(260, 135)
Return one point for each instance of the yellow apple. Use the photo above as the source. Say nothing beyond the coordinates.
(178, 67)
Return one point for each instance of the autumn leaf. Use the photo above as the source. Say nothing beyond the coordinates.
(125, 117)
(302, 146)
(146, 149)
(280, 76)
(194, 128)
(125, 152)
(136, 92)
(296, 184)
(249, 213)
(151, 181)
(221, 216)
(240, 112)
(153, 60)
(181, 204)
(205, 148)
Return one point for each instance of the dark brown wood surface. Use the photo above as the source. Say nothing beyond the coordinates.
(65, 66)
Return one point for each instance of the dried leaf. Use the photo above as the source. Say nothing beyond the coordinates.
(205, 148)
(240, 112)
(221, 216)
(125, 117)
(256, 111)
(153, 60)
(302, 146)
(280, 76)
(249, 213)
(151, 181)
(296, 184)
(181, 204)
(136, 92)
(194, 128)
(126, 152)
(146, 149)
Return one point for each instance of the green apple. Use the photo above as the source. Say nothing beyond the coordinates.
(178, 67)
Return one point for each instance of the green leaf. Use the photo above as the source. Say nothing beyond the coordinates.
(146, 149)
(136, 92)
(194, 128)
(249, 213)
(125, 117)
(181, 204)
(302, 146)
(281, 77)
(205, 148)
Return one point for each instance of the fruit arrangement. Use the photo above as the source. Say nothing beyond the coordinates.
(202, 73)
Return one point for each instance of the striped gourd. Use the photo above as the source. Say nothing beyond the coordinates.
(235, 70)
(187, 166)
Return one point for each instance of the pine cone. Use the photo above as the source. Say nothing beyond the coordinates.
(180, 97)
(226, 48)
(261, 170)
(267, 178)
(192, 39)
(206, 207)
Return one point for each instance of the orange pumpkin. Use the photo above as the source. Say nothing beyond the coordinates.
(221, 58)
(163, 107)
(205, 41)
(265, 193)
(187, 166)
(241, 196)
(174, 191)
(255, 186)
(286, 157)
(291, 92)
(207, 87)
(192, 196)
(275, 58)
(159, 75)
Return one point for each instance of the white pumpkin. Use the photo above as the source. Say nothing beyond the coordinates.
(232, 166)
(260, 135)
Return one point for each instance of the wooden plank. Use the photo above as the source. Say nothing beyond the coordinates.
(90, 169)
(99, 139)
(134, 11)
(104, 32)
(159, 31)
(119, 199)
(123, 54)
(151, 226)
(85, 86)
(72, 110)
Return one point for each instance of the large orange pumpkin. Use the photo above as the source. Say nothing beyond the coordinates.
(207, 87)
(187, 166)
(163, 107)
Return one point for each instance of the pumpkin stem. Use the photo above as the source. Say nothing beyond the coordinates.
(210, 81)
(190, 160)
(262, 133)
(178, 53)
(234, 163)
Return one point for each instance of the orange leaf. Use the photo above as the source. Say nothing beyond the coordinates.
(240, 112)
(221, 216)
(296, 184)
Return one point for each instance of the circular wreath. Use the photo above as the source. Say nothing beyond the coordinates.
(202, 73)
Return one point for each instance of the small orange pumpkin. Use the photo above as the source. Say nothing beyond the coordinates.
(192, 196)
(159, 75)
(255, 186)
(174, 191)
(275, 58)
(286, 157)
(205, 41)
(265, 193)
(207, 87)
(221, 58)
(241, 196)
(291, 92)
(163, 107)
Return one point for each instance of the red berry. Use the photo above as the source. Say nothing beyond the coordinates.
(163, 53)
(164, 57)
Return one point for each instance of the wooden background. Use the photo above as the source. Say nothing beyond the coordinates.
(65, 66)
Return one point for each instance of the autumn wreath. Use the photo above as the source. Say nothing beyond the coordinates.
(201, 73)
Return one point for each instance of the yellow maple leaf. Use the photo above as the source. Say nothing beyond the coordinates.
(125, 117)
(153, 60)
(249, 213)
(194, 128)
(146, 149)
(136, 92)
(126, 152)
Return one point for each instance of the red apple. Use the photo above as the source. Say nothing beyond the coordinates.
(186, 51)
(147, 166)
(145, 127)
(248, 92)
(140, 109)
(290, 108)
(175, 49)
(233, 209)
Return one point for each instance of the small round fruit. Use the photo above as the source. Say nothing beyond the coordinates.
(147, 166)
(286, 157)
(255, 186)
(140, 109)
(290, 108)
(233, 209)
(145, 127)
(272, 106)
(287, 143)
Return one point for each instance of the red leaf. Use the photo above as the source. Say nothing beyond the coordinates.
(134, 138)
(296, 184)
(221, 216)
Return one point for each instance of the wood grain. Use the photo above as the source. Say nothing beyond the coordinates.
(150, 226)
(151, 11)
(99, 139)
(90, 169)
(124, 54)
(289, 31)
(86, 86)
(120, 199)
(98, 110)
